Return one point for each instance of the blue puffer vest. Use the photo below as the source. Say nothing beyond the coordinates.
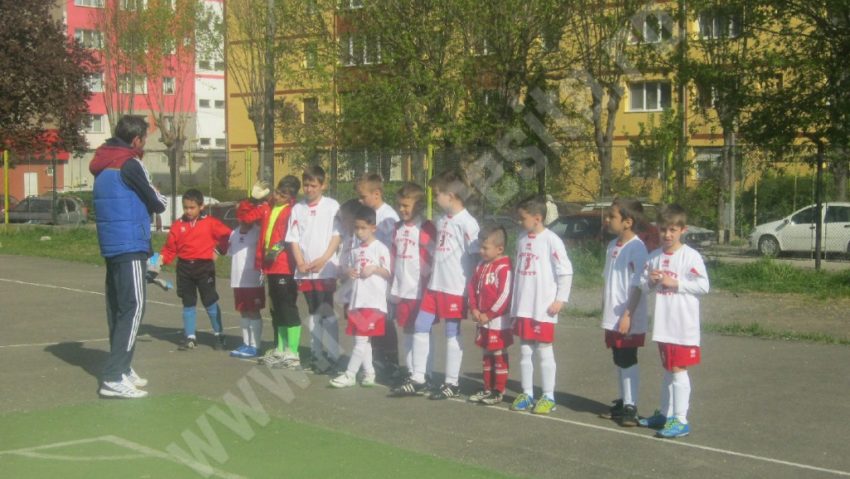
(123, 221)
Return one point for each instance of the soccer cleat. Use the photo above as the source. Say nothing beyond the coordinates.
(289, 362)
(409, 388)
(656, 421)
(120, 390)
(673, 429)
(271, 357)
(446, 391)
(523, 402)
(133, 378)
(220, 342)
(344, 380)
(494, 398)
(543, 406)
(477, 397)
(244, 352)
(187, 344)
(629, 418)
(368, 380)
(615, 412)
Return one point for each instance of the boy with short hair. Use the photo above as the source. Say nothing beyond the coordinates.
(370, 190)
(276, 262)
(454, 257)
(541, 263)
(249, 297)
(314, 237)
(676, 274)
(367, 312)
(193, 240)
(489, 293)
(412, 249)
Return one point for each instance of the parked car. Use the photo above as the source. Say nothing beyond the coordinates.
(225, 212)
(796, 232)
(163, 221)
(70, 210)
(581, 228)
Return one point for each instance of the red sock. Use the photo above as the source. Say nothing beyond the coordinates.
(488, 369)
(500, 370)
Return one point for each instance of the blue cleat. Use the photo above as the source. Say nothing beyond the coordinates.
(523, 402)
(673, 429)
(244, 352)
(656, 421)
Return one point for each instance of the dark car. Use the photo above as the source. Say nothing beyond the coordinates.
(70, 210)
(581, 228)
(225, 212)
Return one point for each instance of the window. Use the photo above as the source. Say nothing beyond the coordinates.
(168, 85)
(348, 50)
(805, 217)
(219, 104)
(89, 3)
(94, 124)
(89, 38)
(311, 110)
(203, 103)
(650, 96)
(133, 4)
(719, 23)
(205, 142)
(95, 82)
(352, 4)
(204, 65)
(837, 214)
(652, 28)
(371, 51)
(706, 96)
(219, 65)
(137, 85)
(219, 142)
(481, 47)
(707, 161)
(311, 56)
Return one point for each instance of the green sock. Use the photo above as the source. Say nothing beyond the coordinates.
(281, 338)
(294, 335)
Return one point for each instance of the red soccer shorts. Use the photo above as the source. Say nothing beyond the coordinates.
(405, 313)
(678, 355)
(613, 339)
(249, 299)
(530, 330)
(443, 305)
(365, 322)
(493, 339)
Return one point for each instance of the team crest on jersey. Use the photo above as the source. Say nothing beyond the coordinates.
(665, 263)
(453, 307)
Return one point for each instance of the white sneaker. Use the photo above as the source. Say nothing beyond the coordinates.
(344, 380)
(121, 390)
(368, 380)
(136, 380)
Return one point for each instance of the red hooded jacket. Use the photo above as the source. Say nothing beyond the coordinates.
(284, 261)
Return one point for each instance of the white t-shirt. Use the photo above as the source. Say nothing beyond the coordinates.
(370, 292)
(454, 260)
(677, 311)
(312, 227)
(408, 260)
(243, 255)
(541, 262)
(385, 219)
(624, 264)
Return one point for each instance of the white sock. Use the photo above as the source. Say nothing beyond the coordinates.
(681, 395)
(245, 322)
(255, 328)
(629, 384)
(546, 353)
(314, 326)
(368, 368)
(407, 350)
(667, 394)
(329, 323)
(358, 354)
(454, 355)
(526, 365)
(421, 350)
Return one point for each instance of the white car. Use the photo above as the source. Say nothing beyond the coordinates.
(796, 232)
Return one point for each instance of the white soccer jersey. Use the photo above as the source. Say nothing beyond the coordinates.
(412, 250)
(624, 264)
(541, 259)
(456, 243)
(677, 311)
(385, 219)
(243, 253)
(370, 292)
(312, 227)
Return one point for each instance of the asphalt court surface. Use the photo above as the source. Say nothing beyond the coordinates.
(758, 408)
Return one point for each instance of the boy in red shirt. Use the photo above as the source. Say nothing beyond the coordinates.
(489, 294)
(193, 240)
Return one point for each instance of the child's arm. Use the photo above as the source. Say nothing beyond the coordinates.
(695, 281)
(169, 250)
(381, 269)
(318, 264)
(564, 276)
(472, 296)
(625, 323)
(302, 266)
(221, 233)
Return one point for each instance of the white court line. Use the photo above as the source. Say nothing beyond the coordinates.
(141, 450)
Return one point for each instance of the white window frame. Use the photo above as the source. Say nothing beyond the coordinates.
(644, 29)
(92, 39)
(95, 124)
(353, 4)
(367, 58)
(706, 155)
(204, 141)
(733, 27)
(95, 82)
(126, 5)
(220, 142)
(218, 104)
(166, 82)
(658, 86)
(89, 3)
(140, 82)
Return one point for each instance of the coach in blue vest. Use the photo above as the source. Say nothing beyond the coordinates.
(124, 200)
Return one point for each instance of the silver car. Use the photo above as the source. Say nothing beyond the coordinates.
(70, 210)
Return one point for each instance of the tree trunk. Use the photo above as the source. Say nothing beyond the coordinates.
(726, 196)
(840, 173)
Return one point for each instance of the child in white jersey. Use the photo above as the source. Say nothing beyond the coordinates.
(624, 317)
(249, 297)
(411, 250)
(456, 253)
(313, 234)
(541, 262)
(370, 191)
(676, 274)
(367, 313)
